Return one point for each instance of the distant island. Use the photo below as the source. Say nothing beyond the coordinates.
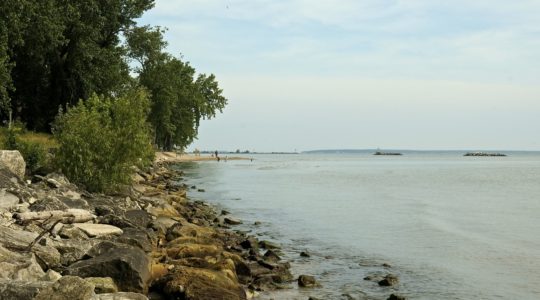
(386, 153)
(483, 154)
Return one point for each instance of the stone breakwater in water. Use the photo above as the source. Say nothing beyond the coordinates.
(147, 241)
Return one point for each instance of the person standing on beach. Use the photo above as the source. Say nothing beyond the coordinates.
(217, 157)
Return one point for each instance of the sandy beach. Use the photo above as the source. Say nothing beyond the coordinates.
(173, 157)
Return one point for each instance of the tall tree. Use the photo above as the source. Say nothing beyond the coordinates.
(180, 99)
(65, 50)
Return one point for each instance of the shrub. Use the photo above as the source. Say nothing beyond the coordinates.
(100, 139)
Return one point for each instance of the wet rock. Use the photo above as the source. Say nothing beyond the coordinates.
(250, 243)
(305, 254)
(389, 280)
(102, 285)
(21, 290)
(232, 221)
(396, 297)
(225, 212)
(120, 296)
(67, 288)
(272, 256)
(201, 190)
(13, 161)
(307, 281)
(268, 245)
(127, 265)
(99, 230)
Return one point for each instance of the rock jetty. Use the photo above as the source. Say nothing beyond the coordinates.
(147, 241)
(387, 153)
(483, 154)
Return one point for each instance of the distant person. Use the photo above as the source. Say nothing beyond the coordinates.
(217, 156)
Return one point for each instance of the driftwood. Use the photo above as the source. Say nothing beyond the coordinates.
(66, 217)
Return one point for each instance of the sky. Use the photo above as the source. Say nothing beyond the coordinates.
(363, 74)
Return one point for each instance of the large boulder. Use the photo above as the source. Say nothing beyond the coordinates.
(67, 288)
(13, 161)
(128, 266)
(22, 240)
(19, 266)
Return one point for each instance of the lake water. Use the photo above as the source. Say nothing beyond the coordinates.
(451, 227)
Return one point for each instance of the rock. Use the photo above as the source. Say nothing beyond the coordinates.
(13, 161)
(396, 297)
(389, 280)
(8, 200)
(51, 182)
(162, 224)
(67, 288)
(99, 230)
(21, 290)
(47, 256)
(307, 281)
(225, 212)
(272, 256)
(72, 232)
(73, 250)
(269, 245)
(19, 266)
(138, 217)
(102, 285)
(51, 275)
(120, 296)
(128, 266)
(305, 254)
(74, 203)
(250, 243)
(232, 221)
(48, 203)
(201, 284)
(201, 190)
(135, 237)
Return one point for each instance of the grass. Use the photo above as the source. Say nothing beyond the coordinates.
(44, 139)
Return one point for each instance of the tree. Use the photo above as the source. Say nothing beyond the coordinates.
(63, 51)
(179, 101)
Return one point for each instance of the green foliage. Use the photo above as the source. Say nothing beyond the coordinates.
(61, 51)
(100, 139)
(179, 99)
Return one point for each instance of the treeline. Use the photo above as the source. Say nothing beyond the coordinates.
(85, 71)
(55, 52)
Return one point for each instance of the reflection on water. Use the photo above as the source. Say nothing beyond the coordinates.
(450, 227)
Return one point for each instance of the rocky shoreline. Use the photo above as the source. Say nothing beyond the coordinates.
(148, 241)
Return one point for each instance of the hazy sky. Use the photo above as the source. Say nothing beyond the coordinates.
(401, 74)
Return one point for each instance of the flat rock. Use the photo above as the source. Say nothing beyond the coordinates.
(232, 221)
(67, 288)
(99, 230)
(128, 266)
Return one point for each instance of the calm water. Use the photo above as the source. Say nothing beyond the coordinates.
(451, 227)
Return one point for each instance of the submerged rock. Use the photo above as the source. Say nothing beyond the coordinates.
(307, 281)
(389, 280)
